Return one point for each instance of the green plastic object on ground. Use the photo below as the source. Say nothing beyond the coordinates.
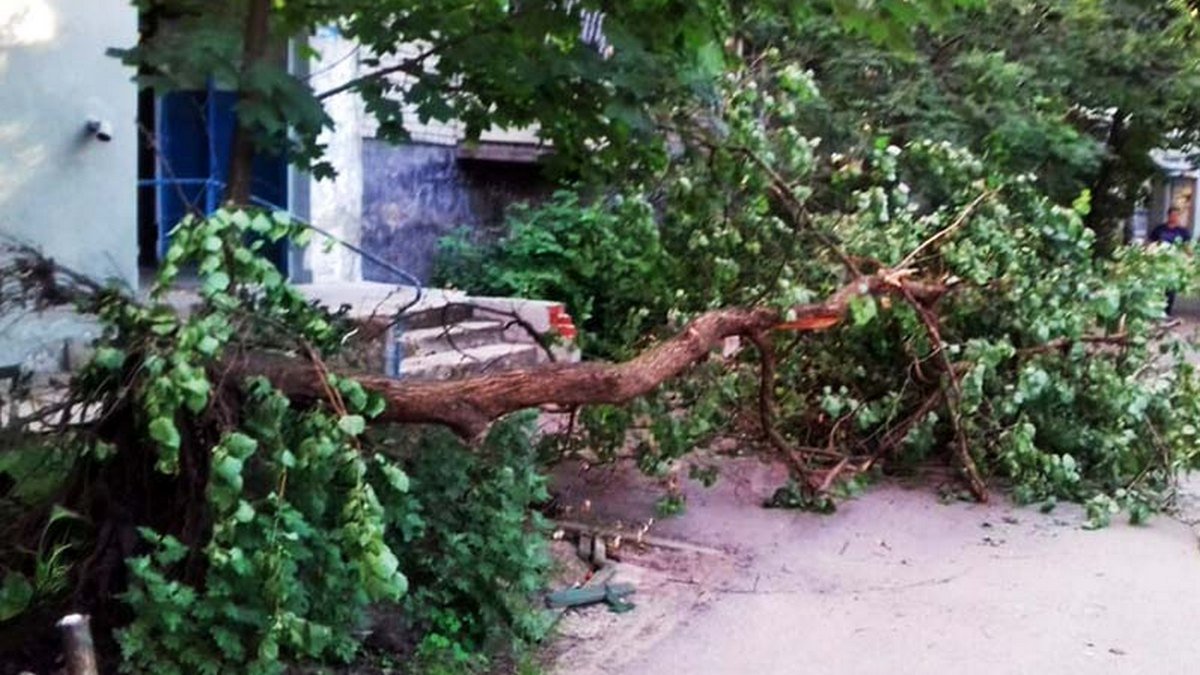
(613, 594)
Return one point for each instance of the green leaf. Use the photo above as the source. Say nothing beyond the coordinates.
(352, 425)
(208, 345)
(244, 513)
(164, 323)
(268, 650)
(229, 470)
(711, 58)
(163, 430)
(395, 475)
(216, 283)
(863, 309)
(240, 219)
(15, 595)
(59, 512)
(239, 445)
(375, 405)
(109, 358)
(195, 389)
(355, 394)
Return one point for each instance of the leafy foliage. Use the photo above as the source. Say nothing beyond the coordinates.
(747, 154)
(1043, 361)
(262, 537)
(469, 543)
(35, 469)
(484, 64)
(1078, 92)
(295, 550)
(603, 259)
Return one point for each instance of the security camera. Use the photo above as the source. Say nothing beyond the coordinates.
(101, 129)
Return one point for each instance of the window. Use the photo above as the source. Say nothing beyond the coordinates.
(186, 138)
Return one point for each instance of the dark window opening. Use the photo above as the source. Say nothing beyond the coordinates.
(183, 162)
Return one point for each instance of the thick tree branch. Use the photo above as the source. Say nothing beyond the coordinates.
(469, 405)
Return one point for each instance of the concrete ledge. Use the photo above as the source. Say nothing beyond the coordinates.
(49, 341)
(369, 299)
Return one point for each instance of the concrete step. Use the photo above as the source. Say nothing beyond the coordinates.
(436, 315)
(462, 335)
(457, 363)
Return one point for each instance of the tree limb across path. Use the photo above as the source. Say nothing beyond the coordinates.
(469, 405)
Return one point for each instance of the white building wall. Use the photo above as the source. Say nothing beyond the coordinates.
(335, 205)
(60, 188)
(438, 132)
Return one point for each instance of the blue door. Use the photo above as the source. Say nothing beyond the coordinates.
(195, 132)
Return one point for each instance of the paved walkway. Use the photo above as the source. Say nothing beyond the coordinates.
(896, 582)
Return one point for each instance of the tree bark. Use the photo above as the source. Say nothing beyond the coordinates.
(255, 43)
(1102, 218)
(468, 406)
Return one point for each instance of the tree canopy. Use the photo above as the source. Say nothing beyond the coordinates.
(487, 64)
(1076, 93)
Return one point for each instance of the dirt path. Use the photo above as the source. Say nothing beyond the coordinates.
(895, 582)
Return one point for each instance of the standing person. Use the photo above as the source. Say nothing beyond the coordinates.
(1170, 232)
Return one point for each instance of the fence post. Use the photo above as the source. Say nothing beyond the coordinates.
(77, 644)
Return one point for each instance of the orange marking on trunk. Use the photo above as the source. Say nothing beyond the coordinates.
(810, 323)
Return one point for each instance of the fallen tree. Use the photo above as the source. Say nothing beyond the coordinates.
(178, 393)
(469, 405)
(198, 436)
(225, 468)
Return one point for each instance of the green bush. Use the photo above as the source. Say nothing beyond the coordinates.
(473, 550)
(603, 259)
(249, 534)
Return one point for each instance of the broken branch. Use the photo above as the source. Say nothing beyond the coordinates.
(469, 405)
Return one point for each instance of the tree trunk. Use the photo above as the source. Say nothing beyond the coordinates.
(469, 405)
(256, 40)
(1102, 219)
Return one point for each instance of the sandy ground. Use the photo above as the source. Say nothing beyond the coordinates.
(895, 582)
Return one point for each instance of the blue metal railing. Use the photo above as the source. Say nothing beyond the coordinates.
(217, 186)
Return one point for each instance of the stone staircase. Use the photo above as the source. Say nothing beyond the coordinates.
(445, 334)
(438, 344)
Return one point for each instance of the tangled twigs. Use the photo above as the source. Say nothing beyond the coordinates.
(963, 217)
(766, 412)
(1120, 339)
(832, 475)
(30, 279)
(895, 435)
(953, 398)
